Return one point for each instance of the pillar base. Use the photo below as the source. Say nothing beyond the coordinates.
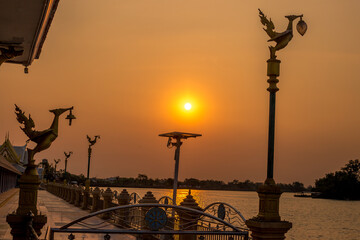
(267, 225)
(263, 230)
(20, 220)
(19, 225)
(269, 197)
(85, 203)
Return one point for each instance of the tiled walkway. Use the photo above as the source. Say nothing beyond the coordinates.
(8, 204)
(58, 212)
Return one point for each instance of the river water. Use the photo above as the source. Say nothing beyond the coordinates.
(311, 218)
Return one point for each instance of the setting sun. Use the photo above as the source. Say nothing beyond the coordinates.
(187, 106)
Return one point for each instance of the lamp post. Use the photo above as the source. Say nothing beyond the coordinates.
(91, 143)
(267, 224)
(29, 181)
(67, 156)
(177, 136)
(56, 161)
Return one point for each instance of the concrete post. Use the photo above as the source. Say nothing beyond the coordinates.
(78, 196)
(148, 198)
(86, 196)
(96, 200)
(107, 196)
(29, 183)
(68, 196)
(267, 224)
(188, 220)
(123, 199)
(73, 194)
(65, 192)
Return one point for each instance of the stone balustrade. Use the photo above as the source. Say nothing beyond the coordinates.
(96, 199)
(89, 199)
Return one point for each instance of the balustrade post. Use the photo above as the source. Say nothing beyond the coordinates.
(123, 199)
(86, 196)
(64, 189)
(68, 197)
(148, 198)
(78, 196)
(189, 220)
(96, 199)
(58, 191)
(107, 196)
(73, 194)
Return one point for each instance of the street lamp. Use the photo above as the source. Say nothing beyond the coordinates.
(267, 224)
(273, 71)
(56, 163)
(91, 143)
(67, 156)
(177, 136)
(29, 181)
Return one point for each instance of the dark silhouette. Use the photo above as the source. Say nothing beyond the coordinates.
(9, 53)
(92, 142)
(342, 185)
(143, 181)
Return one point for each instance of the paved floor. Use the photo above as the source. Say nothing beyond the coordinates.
(8, 204)
(58, 211)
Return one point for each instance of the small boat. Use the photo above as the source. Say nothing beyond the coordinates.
(302, 195)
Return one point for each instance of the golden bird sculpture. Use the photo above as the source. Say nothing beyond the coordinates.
(282, 39)
(43, 138)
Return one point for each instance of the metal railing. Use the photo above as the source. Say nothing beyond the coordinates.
(155, 221)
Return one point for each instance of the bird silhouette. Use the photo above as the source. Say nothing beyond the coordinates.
(92, 142)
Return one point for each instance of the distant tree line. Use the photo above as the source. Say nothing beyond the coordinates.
(143, 181)
(343, 184)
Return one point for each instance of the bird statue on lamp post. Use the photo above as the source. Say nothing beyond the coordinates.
(43, 138)
(29, 182)
(67, 156)
(56, 161)
(268, 224)
(86, 193)
(282, 39)
(91, 143)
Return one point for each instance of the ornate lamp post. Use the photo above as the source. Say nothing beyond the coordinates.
(91, 143)
(67, 156)
(267, 224)
(177, 136)
(56, 163)
(29, 181)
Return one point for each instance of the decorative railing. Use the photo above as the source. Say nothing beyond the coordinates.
(155, 221)
(148, 218)
(227, 213)
(166, 200)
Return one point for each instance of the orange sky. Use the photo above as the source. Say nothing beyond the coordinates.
(129, 66)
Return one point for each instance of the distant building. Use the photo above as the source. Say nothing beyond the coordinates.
(12, 160)
(16, 155)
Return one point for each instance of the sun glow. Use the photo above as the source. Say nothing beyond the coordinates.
(187, 106)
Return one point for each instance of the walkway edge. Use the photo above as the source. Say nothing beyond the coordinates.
(7, 199)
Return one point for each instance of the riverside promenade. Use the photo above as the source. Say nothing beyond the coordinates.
(58, 212)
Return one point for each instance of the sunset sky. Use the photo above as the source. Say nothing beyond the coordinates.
(128, 67)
